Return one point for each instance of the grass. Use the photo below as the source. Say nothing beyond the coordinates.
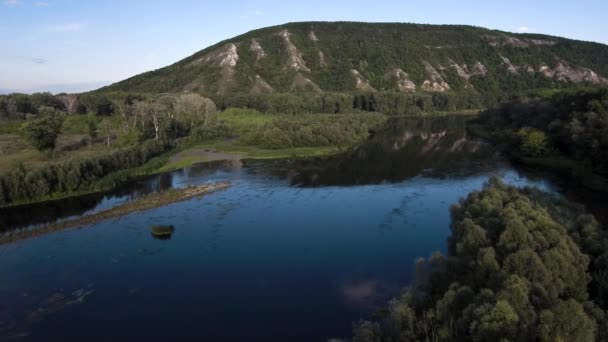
(181, 163)
(243, 120)
(143, 203)
(10, 127)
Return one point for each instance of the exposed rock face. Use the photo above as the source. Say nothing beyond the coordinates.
(295, 61)
(435, 81)
(301, 82)
(564, 72)
(512, 68)
(478, 69)
(542, 42)
(528, 68)
(313, 36)
(461, 70)
(361, 82)
(257, 50)
(403, 80)
(322, 60)
(504, 40)
(260, 86)
(226, 56)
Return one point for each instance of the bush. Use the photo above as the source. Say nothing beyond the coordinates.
(42, 133)
(211, 132)
(532, 142)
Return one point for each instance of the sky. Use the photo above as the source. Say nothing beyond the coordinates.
(78, 45)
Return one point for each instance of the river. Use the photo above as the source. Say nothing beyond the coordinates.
(295, 250)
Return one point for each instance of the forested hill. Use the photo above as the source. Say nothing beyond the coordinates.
(369, 57)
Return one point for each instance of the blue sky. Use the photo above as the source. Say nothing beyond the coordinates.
(75, 45)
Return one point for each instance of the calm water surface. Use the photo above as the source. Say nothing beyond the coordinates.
(294, 250)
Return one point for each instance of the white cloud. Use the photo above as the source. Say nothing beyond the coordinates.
(12, 2)
(41, 4)
(523, 29)
(65, 28)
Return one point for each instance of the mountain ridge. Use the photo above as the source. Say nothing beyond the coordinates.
(369, 57)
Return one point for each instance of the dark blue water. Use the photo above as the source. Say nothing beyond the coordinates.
(292, 251)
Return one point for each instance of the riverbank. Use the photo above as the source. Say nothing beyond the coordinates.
(567, 168)
(228, 150)
(138, 205)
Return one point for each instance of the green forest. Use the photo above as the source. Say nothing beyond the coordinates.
(327, 56)
(522, 265)
(565, 131)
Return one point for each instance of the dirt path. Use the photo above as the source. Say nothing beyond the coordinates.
(206, 154)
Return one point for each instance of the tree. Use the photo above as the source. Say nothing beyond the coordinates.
(533, 142)
(42, 133)
(195, 109)
(154, 113)
(70, 102)
(92, 128)
(106, 130)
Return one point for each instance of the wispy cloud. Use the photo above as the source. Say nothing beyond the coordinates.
(65, 27)
(41, 4)
(35, 60)
(523, 29)
(12, 2)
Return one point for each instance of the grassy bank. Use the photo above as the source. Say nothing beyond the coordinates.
(140, 204)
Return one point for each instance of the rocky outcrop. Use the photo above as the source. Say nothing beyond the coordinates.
(461, 70)
(510, 67)
(295, 60)
(260, 86)
(565, 72)
(313, 36)
(505, 40)
(301, 82)
(322, 60)
(478, 69)
(361, 83)
(257, 49)
(402, 79)
(435, 82)
(542, 42)
(226, 56)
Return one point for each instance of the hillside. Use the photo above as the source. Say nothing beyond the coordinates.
(370, 57)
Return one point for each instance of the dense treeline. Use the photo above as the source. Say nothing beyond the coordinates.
(390, 103)
(522, 265)
(571, 124)
(314, 130)
(21, 185)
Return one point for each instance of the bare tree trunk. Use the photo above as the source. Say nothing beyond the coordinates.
(155, 122)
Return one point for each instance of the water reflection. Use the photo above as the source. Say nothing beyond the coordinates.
(406, 148)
